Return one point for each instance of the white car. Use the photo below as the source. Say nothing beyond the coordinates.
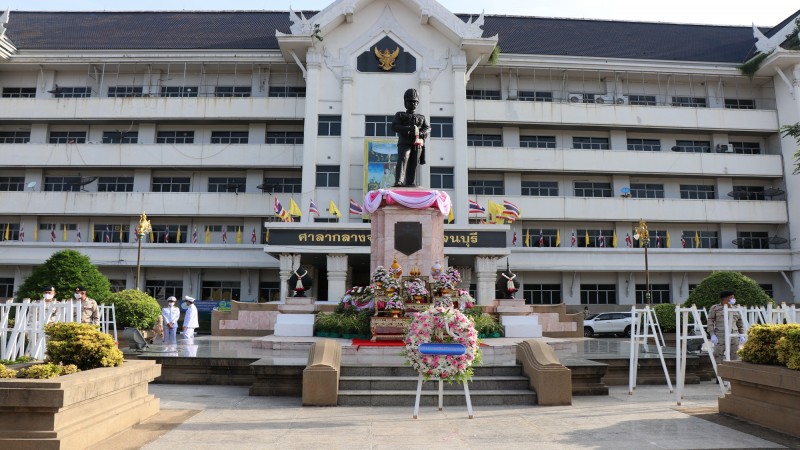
(608, 323)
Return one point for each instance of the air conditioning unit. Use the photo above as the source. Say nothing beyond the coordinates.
(603, 99)
(622, 100)
(722, 148)
(575, 98)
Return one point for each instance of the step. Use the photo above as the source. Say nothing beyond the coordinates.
(407, 371)
(453, 397)
(410, 383)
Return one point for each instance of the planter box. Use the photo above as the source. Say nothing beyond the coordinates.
(766, 395)
(78, 410)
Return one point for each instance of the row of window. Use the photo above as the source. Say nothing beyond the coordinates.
(117, 232)
(601, 143)
(159, 184)
(550, 237)
(603, 294)
(165, 91)
(588, 97)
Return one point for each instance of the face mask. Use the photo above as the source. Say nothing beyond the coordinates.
(733, 301)
(48, 296)
(77, 296)
(171, 304)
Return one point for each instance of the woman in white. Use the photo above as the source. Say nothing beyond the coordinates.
(189, 319)
(171, 314)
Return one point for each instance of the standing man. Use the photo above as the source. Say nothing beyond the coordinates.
(716, 326)
(189, 319)
(171, 315)
(412, 130)
(90, 313)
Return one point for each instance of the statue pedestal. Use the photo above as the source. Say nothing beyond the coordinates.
(385, 239)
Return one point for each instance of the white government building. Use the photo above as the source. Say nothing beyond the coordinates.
(204, 119)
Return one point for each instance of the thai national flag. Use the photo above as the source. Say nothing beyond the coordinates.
(312, 209)
(166, 235)
(22, 234)
(475, 208)
(572, 240)
(602, 239)
(541, 238)
(253, 238)
(355, 208)
(510, 209)
(628, 240)
(278, 207)
(53, 233)
(79, 233)
(107, 234)
(683, 241)
(658, 241)
(194, 235)
(514, 239)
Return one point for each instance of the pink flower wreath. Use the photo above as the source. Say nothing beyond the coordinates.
(431, 326)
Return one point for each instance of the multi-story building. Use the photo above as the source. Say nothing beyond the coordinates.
(205, 119)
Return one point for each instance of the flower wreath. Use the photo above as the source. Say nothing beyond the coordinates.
(431, 326)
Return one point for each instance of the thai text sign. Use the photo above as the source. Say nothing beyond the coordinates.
(350, 238)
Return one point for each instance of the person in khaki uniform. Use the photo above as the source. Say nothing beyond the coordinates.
(716, 326)
(90, 313)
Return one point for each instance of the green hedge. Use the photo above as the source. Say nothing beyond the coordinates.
(773, 345)
(788, 348)
(81, 344)
(748, 292)
(665, 313)
(134, 309)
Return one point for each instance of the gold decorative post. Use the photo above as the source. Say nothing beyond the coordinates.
(643, 236)
(144, 227)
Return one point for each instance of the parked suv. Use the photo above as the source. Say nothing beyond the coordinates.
(608, 323)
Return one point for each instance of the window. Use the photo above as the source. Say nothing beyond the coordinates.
(287, 91)
(285, 185)
(659, 293)
(175, 137)
(179, 91)
(442, 127)
(752, 239)
(768, 290)
(378, 126)
(541, 294)
(67, 137)
(19, 92)
(13, 231)
(598, 294)
(120, 137)
(125, 91)
(220, 290)
(692, 146)
(170, 234)
(6, 287)
(698, 192)
(689, 102)
(658, 239)
(62, 184)
(72, 92)
(442, 178)
(748, 192)
(226, 184)
(540, 188)
(15, 137)
(537, 141)
(483, 94)
(117, 285)
(111, 233)
(592, 189)
(327, 176)
(647, 190)
(738, 103)
(284, 137)
(642, 100)
(233, 91)
(484, 140)
(644, 145)
(746, 148)
(115, 184)
(485, 187)
(12, 184)
(701, 239)
(329, 126)
(269, 291)
(597, 238)
(170, 184)
(590, 143)
(539, 237)
(163, 289)
(535, 96)
(229, 137)
(323, 219)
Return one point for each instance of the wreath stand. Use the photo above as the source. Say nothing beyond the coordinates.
(441, 350)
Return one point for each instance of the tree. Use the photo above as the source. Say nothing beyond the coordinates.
(134, 308)
(748, 292)
(794, 131)
(66, 270)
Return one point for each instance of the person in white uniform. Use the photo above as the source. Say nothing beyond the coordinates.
(189, 319)
(171, 316)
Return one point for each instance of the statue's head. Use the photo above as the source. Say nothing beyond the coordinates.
(411, 99)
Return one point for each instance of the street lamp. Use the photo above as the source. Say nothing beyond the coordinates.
(144, 227)
(643, 236)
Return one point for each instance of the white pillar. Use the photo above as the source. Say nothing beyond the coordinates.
(313, 66)
(460, 171)
(486, 274)
(337, 276)
(286, 265)
(346, 141)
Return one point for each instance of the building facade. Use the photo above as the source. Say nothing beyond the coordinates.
(209, 121)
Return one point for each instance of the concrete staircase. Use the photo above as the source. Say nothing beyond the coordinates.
(397, 386)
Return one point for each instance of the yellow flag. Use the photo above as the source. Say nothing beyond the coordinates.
(178, 237)
(614, 240)
(91, 233)
(527, 238)
(121, 228)
(294, 210)
(239, 234)
(558, 238)
(495, 210)
(8, 232)
(696, 239)
(208, 235)
(668, 246)
(266, 236)
(334, 210)
(35, 234)
(64, 234)
(450, 216)
(152, 235)
(586, 240)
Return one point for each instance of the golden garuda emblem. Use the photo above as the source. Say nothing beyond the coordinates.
(385, 58)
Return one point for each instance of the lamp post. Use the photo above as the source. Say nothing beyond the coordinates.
(643, 236)
(144, 227)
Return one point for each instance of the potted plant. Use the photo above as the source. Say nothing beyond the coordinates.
(447, 280)
(416, 289)
(395, 305)
(380, 276)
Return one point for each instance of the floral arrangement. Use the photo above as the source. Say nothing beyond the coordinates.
(465, 301)
(395, 302)
(416, 287)
(359, 297)
(444, 301)
(391, 283)
(380, 275)
(448, 279)
(442, 325)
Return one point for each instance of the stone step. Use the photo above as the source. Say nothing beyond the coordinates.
(410, 383)
(407, 371)
(453, 397)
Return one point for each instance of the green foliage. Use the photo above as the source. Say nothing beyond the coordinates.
(135, 309)
(748, 292)
(66, 270)
(792, 42)
(21, 359)
(788, 349)
(487, 325)
(475, 311)
(6, 372)
(495, 56)
(793, 131)
(81, 344)
(751, 67)
(41, 371)
(761, 344)
(665, 313)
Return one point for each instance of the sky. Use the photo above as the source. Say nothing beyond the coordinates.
(765, 13)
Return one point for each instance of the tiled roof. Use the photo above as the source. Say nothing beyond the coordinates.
(256, 30)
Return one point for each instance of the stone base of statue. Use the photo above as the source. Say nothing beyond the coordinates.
(407, 224)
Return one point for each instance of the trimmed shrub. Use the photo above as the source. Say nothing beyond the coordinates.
(7, 373)
(81, 344)
(41, 371)
(665, 313)
(487, 325)
(788, 349)
(66, 270)
(761, 344)
(135, 309)
(748, 292)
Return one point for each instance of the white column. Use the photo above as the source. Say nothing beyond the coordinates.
(286, 265)
(346, 141)
(486, 275)
(337, 276)
(460, 140)
(313, 66)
